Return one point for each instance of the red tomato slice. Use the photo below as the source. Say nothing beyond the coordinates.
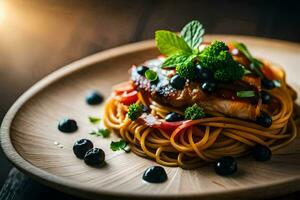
(129, 98)
(267, 71)
(123, 87)
(169, 126)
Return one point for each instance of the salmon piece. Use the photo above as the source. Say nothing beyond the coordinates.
(222, 100)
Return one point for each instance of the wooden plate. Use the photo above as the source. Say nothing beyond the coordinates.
(29, 132)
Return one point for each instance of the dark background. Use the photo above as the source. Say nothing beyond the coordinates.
(37, 37)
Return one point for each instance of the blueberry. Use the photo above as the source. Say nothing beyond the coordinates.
(173, 117)
(155, 174)
(264, 119)
(209, 86)
(81, 147)
(261, 153)
(67, 125)
(226, 165)
(94, 157)
(94, 98)
(203, 74)
(265, 97)
(177, 82)
(267, 84)
(141, 70)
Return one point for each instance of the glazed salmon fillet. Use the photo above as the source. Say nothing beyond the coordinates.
(223, 100)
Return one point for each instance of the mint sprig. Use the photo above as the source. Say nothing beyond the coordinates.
(193, 33)
(181, 50)
(177, 59)
(170, 43)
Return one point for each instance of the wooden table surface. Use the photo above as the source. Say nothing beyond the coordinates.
(38, 37)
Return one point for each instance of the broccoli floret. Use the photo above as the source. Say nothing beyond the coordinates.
(186, 71)
(217, 58)
(194, 112)
(135, 110)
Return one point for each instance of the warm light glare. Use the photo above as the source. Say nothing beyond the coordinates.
(2, 11)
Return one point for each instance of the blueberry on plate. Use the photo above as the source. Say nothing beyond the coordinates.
(94, 98)
(94, 157)
(67, 125)
(225, 166)
(174, 117)
(261, 153)
(264, 119)
(141, 70)
(177, 82)
(81, 146)
(203, 74)
(209, 86)
(155, 174)
(267, 84)
(265, 97)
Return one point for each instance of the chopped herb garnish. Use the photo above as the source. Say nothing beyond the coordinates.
(103, 132)
(151, 75)
(119, 145)
(94, 120)
(244, 94)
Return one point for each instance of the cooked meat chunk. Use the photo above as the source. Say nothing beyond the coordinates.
(223, 100)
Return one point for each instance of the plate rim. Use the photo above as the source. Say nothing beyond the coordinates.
(72, 187)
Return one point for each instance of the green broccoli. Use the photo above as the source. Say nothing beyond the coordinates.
(194, 112)
(186, 71)
(187, 68)
(217, 58)
(135, 110)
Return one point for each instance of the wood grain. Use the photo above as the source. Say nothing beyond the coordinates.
(29, 130)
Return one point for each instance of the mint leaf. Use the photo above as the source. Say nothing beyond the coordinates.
(193, 33)
(94, 120)
(169, 43)
(119, 145)
(174, 60)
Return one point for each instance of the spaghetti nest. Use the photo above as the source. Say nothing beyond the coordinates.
(196, 142)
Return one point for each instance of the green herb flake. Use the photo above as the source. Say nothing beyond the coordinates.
(151, 75)
(119, 145)
(103, 132)
(245, 94)
(94, 120)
